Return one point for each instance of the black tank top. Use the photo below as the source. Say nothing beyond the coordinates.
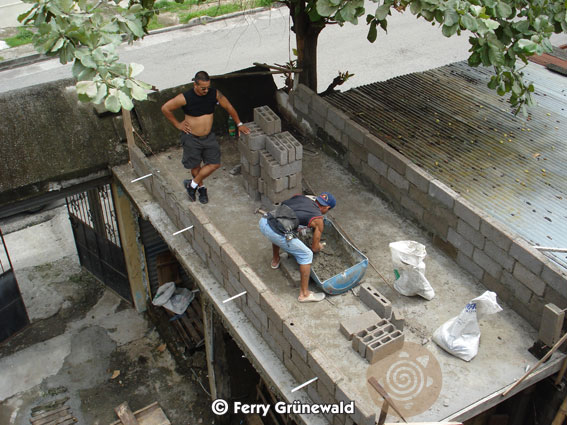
(305, 209)
(200, 105)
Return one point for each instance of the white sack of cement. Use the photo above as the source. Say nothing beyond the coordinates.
(174, 299)
(409, 269)
(460, 336)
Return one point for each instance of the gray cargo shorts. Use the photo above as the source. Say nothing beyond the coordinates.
(199, 148)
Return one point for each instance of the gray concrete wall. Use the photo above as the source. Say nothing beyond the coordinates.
(48, 136)
(503, 261)
(262, 307)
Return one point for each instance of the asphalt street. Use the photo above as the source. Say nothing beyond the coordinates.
(171, 58)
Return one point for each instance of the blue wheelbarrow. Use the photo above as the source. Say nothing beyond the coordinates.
(350, 277)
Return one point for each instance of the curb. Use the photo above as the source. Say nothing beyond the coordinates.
(202, 20)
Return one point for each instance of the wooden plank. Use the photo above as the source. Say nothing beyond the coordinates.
(191, 330)
(37, 417)
(64, 419)
(69, 421)
(125, 414)
(54, 417)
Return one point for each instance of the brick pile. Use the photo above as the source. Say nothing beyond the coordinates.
(271, 159)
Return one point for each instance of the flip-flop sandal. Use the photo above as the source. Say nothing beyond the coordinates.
(313, 298)
(277, 265)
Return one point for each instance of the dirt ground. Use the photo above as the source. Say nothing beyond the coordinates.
(90, 350)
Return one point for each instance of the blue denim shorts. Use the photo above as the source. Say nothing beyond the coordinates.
(302, 254)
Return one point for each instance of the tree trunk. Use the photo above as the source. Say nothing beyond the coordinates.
(306, 35)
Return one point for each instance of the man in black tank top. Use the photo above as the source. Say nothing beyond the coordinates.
(201, 151)
(310, 214)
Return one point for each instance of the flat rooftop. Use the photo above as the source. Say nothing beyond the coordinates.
(468, 388)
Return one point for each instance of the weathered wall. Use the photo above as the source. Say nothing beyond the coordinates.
(48, 135)
(503, 261)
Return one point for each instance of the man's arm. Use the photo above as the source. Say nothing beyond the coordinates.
(170, 106)
(318, 225)
(223, 101)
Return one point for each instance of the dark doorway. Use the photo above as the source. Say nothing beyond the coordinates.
(13, 315)
(95, 230)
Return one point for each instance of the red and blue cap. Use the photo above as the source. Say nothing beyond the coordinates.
(327, 200)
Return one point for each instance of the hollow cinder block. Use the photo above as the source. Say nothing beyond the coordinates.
(358, 337)
(358, 323)
(267, 119)
(277, 150)
(384, 345)
(256, 140)
(375, 300)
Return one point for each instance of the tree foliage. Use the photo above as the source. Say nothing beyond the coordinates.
(502, 34)
(87, 35)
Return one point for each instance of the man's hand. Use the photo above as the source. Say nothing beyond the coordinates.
(184, 127)
(243, 129)
(319, 247)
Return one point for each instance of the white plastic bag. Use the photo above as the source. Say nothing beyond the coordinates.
(409, 269)
(460, 336)
(174, 299)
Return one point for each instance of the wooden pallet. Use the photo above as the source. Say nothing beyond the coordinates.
(265, 396)
(59, 416)
(149, 415)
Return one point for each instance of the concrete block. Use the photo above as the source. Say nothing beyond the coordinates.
(467, 212)
(214, 265)
(276, 185)
(294, 181)
(419, 177)
(251, 180)
(245, 164)
(413, 207)
(290, 149)
(319, 106)
(377, 164)
(514, 287)
(256, 140)
(272, 168)
(332, 131)
(552, 296)
(529, 279)
(528, 256)
(337, 117)
(255, 320)
(555, 278)
(460, 243)
(374, 145)
(278, 197)
(398, 319)
(495, 232)
(375, 300)
(257, 311)
(267, 203)
(214, 238)
(442, 193)
(395, 160)
(272, 343)
(384, 345)
(499, 255)
(268, 121)
(290, 269)
(297, 145)
(323, 368)
(232, 260)
(261, 185)
(551, 324)
(291, 365)
(298, 338)
(364, 336)
(276, 310)
(280, 339)
(301, 365)
(469, 265)
(470, 234)
(398, 180)
(252, 283)
(255, 170)
(355, 131)
(277, 150)
(355, 324)
(484, 261)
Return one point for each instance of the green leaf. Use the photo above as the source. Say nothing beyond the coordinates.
(503, 10)
(87, 87)
(496, 56)
(372, 32)
(527, 46)
(490, 24)
(476, 10)
(88, 61)
(325, 8)
(383, 11)
(138, 93)
(448, 31)
(474, 59)
(469, 22)
(451, 17)
(101, 93)
(522, 26)
(136, 28)
(58, 45)
(65, 5)
(125, 100)
(135, 69)
(24, 17)
(112, 103)
(415, 7)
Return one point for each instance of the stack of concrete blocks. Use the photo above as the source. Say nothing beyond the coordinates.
(378, 332)
(249, 146)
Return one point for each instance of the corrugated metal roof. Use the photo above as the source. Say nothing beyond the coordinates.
(448, 122)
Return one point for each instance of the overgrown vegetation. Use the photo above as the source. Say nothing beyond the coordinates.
(24, 36)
